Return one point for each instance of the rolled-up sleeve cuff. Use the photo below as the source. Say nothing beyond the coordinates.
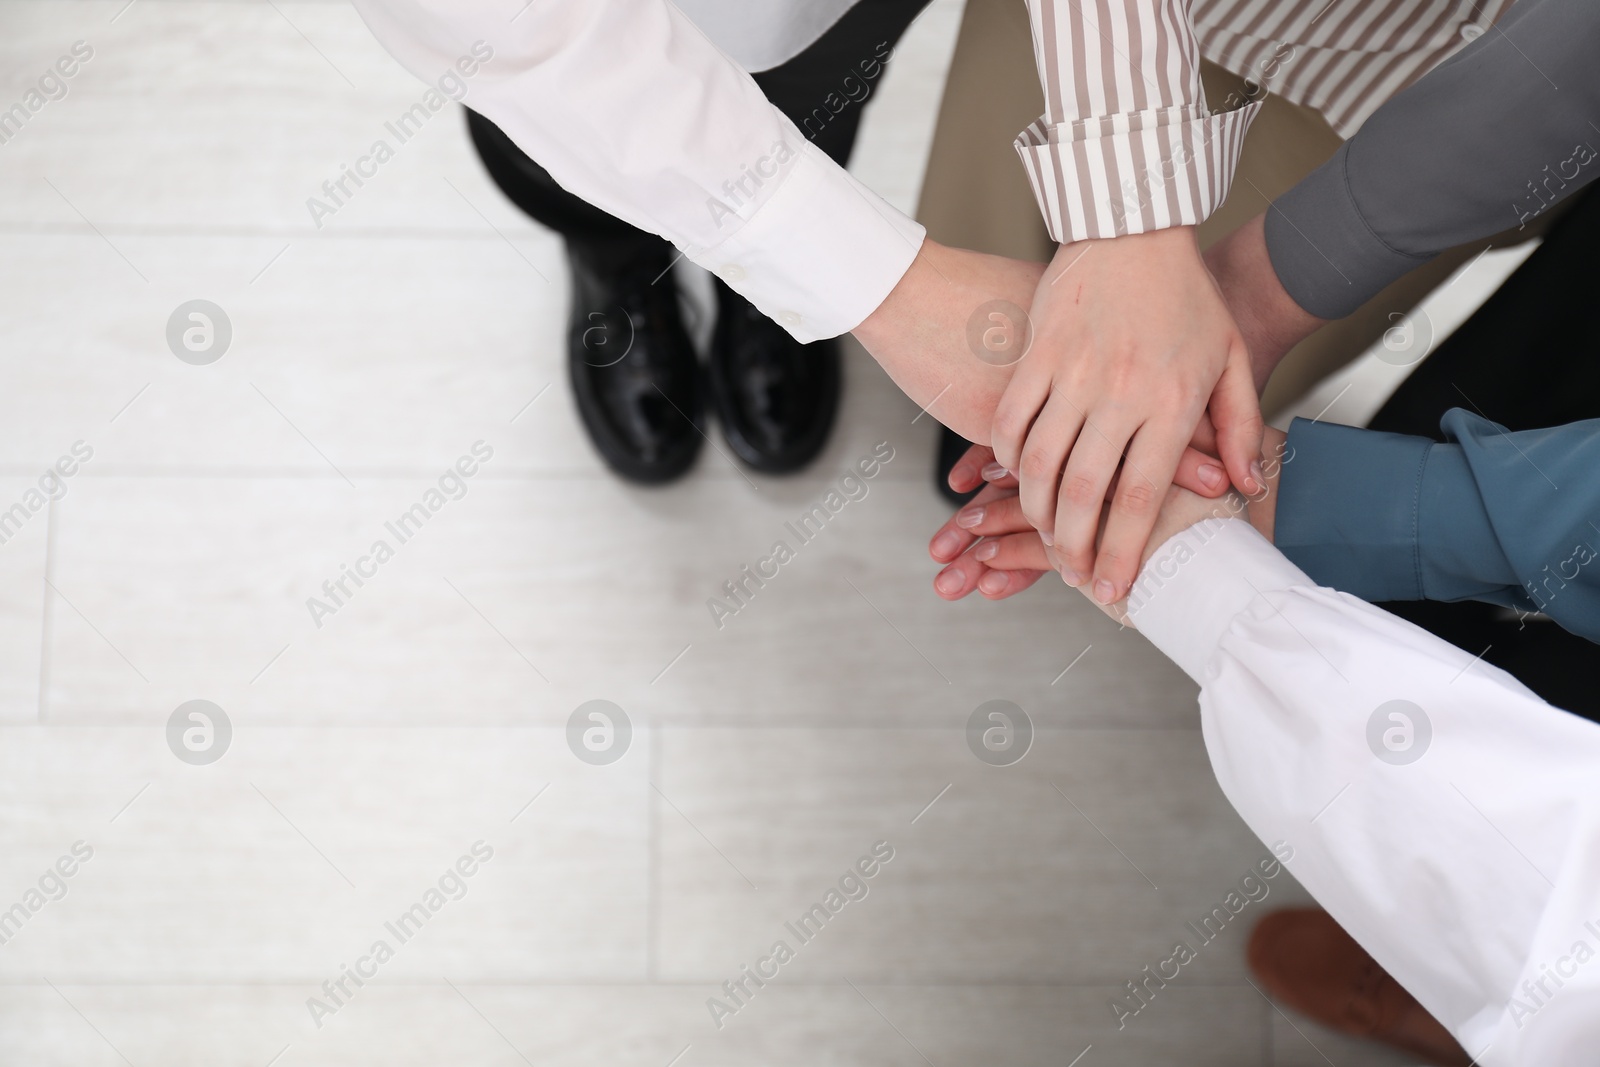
(1323, 249)
(819, 254)
(1189, 592)
(1133, 172)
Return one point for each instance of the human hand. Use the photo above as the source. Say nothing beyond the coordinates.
(1009, 558)
(919, 332)
(990, 546)
(1180, 510)
(1132, 345)
(1267, 316)
(1012, 556)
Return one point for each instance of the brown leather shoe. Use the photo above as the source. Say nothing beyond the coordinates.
(1306, 961)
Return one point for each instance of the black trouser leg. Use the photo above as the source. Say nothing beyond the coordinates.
(822, 90)
(1526, 359)
(531, 188)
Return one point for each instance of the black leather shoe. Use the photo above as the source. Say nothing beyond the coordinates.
(776, 397)
(633, 368)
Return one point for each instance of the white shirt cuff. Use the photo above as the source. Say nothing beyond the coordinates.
(820, 253)
(1190, 591)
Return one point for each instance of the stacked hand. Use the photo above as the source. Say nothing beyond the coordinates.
(1144, 365)
(1132, 346)
(990, 545)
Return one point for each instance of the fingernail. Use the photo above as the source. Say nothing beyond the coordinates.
(987, 550)
(994, 472)
(948, 582)
(1256, 474)
(1104, 592)
(1044, 535)
(1071, 577)
(947, 544)
(1210, 476)
(993, 582)
(967, 518)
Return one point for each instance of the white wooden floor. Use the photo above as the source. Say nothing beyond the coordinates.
(423, 716)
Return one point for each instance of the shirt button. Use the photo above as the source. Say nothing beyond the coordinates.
(788, 318)
(733, 273)
(1471, 31)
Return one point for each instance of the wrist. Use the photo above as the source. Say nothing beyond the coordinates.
(1269, 319)
(923, 332)
(1169, 241)
(893, 313)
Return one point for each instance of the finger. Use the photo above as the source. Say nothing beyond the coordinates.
(975, 468)
(960, 577)
(952, 539)
(967, 474)
(1018, 554)
(995, 474)
(1205, 435)
(1019, 406)
(1014, 552)
(1200, 473)
(994, 517)
(1054, 557)
(1146, 476)
(1044, 455)
(1089, 471)
(1236, 413)
(997, 585)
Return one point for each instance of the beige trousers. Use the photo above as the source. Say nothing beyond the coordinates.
(976, 196)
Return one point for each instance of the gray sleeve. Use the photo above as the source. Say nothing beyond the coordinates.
(1486, 141)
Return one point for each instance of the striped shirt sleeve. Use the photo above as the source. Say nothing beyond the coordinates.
(1126, 143)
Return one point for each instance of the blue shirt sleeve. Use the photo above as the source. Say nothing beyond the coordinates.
(1508, 518)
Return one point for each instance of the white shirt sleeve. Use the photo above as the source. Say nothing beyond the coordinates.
(628, 105)
(1447, 817)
